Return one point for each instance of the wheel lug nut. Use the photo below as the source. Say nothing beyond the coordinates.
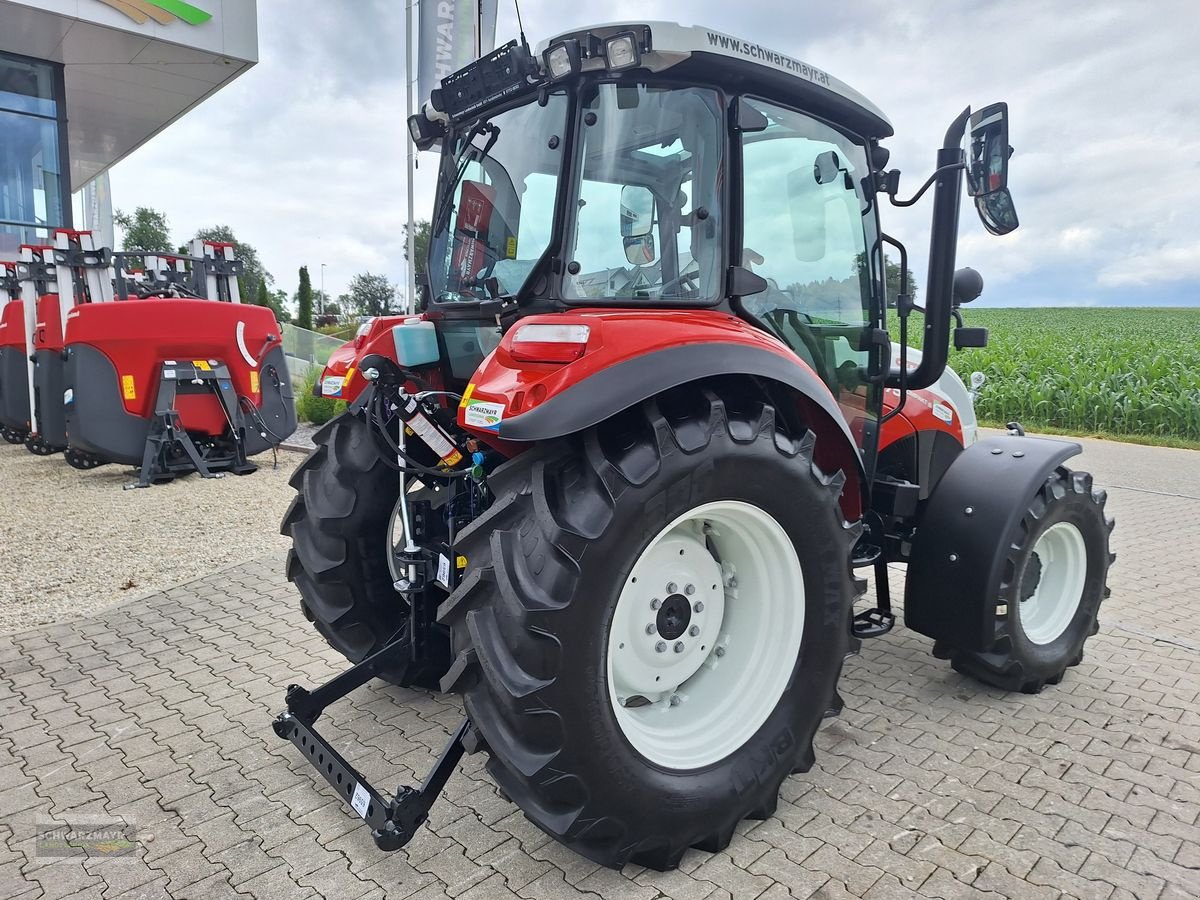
(679, 646)
(720, 651)
(690, 589)
(650, 629)
(655, 603)
(694, 630)
(674, 699)
(661, 647)
(671, 587)
(698, 606)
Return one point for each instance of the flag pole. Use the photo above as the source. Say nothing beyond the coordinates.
(410, 233)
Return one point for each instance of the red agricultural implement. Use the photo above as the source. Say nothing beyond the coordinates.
(614, 482)
(169, 372)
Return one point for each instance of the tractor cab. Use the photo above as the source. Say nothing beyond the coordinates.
(660, 167)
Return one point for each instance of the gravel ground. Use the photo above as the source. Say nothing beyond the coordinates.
(302, 436)
(73, 542)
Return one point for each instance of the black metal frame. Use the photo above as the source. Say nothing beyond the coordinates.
(166, 430)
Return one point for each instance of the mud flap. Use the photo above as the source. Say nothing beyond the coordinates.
(964, 533)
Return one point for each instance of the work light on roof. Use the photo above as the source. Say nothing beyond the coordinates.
(563, 59)
(621, 50)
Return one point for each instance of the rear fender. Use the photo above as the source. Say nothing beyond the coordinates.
(341, 378)
(631, 356)
(964, 534)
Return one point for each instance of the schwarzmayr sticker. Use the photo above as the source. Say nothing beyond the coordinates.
(164, 12)
(483, 414)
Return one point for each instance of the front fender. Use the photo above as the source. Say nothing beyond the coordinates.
(964, 534)
(632, 356)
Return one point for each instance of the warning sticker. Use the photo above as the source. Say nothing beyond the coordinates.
(512, 248)
(202, 365)
(361, 800)
(443, 575)
(254, 382)
(128, 388)
(483, 414)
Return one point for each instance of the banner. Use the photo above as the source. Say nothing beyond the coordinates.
(98, 210)
(450, 35)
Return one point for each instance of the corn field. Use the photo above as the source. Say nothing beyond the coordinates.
(1117, 371)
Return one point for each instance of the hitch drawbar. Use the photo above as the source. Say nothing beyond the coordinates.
(393, 822)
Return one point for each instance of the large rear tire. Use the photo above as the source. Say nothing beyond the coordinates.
(595, 540)
(340, 522)
(1055, 580)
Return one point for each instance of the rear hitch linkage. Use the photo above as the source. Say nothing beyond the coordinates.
(393, 821)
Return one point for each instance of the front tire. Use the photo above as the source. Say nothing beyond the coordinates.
(1055, 580)
(579, 531)
(339, 523)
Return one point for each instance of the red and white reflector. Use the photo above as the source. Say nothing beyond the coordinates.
(543, 342)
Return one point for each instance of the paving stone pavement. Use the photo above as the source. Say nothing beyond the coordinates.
(157, 713)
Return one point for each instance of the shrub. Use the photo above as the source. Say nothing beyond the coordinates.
(315, 410)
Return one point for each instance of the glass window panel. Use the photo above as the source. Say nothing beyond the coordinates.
(27, 87)
(29, 178)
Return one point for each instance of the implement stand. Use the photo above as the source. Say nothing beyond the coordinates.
(393, 822)
(161, 461)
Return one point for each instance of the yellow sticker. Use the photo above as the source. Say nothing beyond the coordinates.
(346, 380)
(453, 459)
(254, 382)
(128, 388)
(512, 248)
(202, 365)
(462, 562)
(466, 397)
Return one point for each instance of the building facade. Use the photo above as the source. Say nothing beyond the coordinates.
(84, 83)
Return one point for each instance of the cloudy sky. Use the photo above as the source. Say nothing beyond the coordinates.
(304, 155)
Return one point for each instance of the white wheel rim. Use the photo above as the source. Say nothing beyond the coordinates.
(689, 707)
(1048, 612)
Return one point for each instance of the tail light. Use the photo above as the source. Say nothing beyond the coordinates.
(539, 342)
(360, 336)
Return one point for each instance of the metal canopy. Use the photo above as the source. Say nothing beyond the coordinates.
(127, 79)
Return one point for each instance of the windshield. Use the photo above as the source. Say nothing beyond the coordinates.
(649, 207)
(500, 178)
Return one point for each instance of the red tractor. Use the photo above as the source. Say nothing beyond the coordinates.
(613, 483)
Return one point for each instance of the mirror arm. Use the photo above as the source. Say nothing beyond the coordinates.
(937, 173)
(943, 245)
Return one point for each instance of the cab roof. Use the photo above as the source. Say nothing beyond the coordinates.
(747, 66)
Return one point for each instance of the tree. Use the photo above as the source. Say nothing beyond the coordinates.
(371, 295)
(421, 243)
(893, 281)
(146, 230)
(304, 301)
(893, 278)
(254, 273)
(271, 301)
(283, 307)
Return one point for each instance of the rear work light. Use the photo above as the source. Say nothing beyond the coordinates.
(622, 51)
(550, 343)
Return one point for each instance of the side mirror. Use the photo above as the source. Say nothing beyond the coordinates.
(637, 213)
(987, 160)
(996, 211)
(640, 251)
